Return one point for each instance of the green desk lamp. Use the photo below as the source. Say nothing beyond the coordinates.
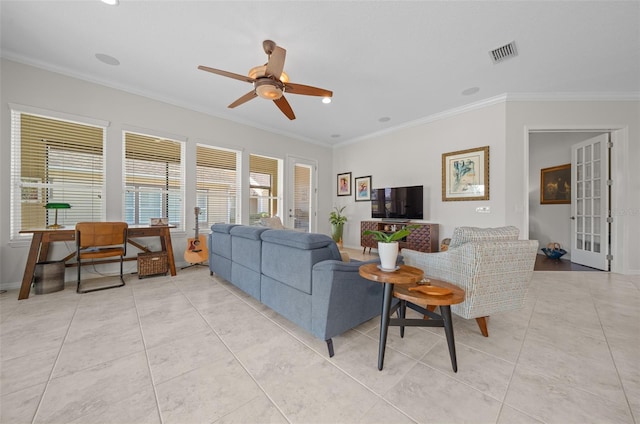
(57, 206)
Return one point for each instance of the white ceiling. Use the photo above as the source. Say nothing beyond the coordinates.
(405, 60)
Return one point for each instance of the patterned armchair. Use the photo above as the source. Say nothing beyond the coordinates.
(490, 264)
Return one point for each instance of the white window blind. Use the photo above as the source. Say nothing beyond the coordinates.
(302, 196)
(154, 179)
(217, 185)
(54, 161)
(263, 181)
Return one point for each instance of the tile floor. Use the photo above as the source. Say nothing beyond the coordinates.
(194, 349)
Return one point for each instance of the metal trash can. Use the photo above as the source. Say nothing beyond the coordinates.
(49, 277)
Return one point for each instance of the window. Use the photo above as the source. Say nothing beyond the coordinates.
(54, 161)
(217, 185)
(263, 182)
(154, 179)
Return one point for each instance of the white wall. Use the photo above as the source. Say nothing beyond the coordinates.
(413, 156)
(30, 86)
(550, 223)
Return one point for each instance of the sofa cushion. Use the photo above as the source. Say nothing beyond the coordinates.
(288, 256)
(221, 240)
(246, 246)
(223, 228)
(248, 232)
(462, 235)
(299, 240)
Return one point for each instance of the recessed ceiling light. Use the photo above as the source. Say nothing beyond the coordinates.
(326, 100)
(111, 2)
(384, 119)
(470, 91)
(109, 60)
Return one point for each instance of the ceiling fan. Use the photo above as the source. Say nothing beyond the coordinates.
(270, 81)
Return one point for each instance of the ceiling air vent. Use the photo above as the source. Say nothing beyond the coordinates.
(503, 53)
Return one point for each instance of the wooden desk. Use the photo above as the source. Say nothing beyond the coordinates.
(39, 250)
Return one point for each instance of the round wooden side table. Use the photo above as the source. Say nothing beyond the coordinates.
(428, 295)
(405, 274)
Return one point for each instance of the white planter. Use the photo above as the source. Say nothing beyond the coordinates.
(388, 254)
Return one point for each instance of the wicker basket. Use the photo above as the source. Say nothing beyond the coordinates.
(152, 263)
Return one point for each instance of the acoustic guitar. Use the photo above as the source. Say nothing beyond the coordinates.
(197, 246)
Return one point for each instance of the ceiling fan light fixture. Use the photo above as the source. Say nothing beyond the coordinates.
(268, 91)
(260, 71)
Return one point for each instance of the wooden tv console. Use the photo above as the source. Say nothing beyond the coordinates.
(423, 239)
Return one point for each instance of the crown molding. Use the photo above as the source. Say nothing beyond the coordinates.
(428, 119)
(613, 96)
(65, 72)
(506, 97)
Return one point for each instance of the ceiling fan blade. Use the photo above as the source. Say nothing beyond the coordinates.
(226, 74)
(284, 106)
(250, 95)
(306, 90)
(275, 66)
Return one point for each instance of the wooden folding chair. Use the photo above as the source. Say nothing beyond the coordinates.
(99, 240)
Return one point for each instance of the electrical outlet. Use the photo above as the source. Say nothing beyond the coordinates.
(483, 209)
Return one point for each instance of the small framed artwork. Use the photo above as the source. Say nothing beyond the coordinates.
(344, 184)
(555, 185)
(363, 188)
(30, 193)
(465, 174)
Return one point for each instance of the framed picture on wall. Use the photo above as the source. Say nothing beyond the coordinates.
(465, 174)
(344, 184)
(363, 188)
(555, 185)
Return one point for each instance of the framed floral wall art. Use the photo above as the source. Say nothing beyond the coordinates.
(363, 188)
(465, 174)
(344, 184)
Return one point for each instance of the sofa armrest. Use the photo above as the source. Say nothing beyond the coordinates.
(335, 265)
(341, 299)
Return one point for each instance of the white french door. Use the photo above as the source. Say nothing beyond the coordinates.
(301, 194)
(590, 202)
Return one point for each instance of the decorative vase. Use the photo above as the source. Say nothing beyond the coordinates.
(388, 253)
(336, 232)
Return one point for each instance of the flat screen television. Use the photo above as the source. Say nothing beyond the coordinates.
(397, 203)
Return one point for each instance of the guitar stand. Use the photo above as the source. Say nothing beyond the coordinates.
(194, 264)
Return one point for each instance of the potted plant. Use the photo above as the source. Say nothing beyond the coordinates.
(388, 244)
(337, 221)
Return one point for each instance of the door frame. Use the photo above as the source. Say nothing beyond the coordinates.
(291, 161)
(619, 136)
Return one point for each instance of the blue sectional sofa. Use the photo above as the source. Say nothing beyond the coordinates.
(299, 275)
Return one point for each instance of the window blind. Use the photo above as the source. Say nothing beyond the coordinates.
(263, 181)
(55, 161)
(154, 179)
(217, 185)
(302, 196)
